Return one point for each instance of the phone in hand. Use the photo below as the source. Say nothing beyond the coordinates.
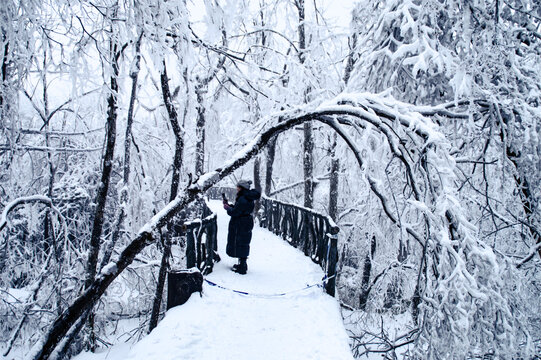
(224, 198)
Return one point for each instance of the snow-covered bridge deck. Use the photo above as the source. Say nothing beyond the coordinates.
(225, 325)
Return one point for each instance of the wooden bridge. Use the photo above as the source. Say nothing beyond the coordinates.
(278, 311)
(305, 229)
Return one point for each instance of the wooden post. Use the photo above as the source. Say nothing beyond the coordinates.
(181, 284)
(332, 260)
(215, 256)
(199, 253)
(276, 218)
(190, 249)
(211, 238)
(306, 238)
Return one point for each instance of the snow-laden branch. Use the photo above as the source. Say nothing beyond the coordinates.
(4, 147)
(27, 200)
(444, 211)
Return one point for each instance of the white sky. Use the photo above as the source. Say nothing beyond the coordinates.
(336, 12)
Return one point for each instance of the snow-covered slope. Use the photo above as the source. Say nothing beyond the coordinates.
(222, 324)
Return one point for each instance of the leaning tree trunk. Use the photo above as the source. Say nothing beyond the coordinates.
(107, 167)
(175, 180)
(124, 195)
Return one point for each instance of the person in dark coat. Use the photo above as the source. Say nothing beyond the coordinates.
(241, 224)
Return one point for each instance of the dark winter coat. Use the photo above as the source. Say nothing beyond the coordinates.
(241, 223)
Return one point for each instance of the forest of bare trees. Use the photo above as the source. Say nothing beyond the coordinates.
(415, 125)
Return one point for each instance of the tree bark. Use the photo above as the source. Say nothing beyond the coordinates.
(124, 195)
(158, 297)
(4, 84)
(175, 180)
(367, 270)
(107, 167)
(200, 132)
(308, 144)
(333, 182)
(270, 153)
(103, 188)
(257, 182)
(308, 165)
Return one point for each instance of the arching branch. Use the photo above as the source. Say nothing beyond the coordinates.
(27, 200)
(187, 196)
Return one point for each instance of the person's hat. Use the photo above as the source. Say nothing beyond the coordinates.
(245, 184)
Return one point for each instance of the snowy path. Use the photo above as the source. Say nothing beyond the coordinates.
(226, 325)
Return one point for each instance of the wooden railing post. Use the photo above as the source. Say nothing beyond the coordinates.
(209, 247)
(306, 234)
(190, 249)
(198, 248)
(332, 260)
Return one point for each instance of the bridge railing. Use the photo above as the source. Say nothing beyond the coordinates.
(314, 233)
(201, 239)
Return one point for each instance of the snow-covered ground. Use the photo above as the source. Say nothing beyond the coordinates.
(221, 324)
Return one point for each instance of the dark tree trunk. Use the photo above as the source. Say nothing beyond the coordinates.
(4, 78)
(177, 130)
(200, 90)
(107, 167)
(200, 133)
(127, 158)
(175, 180)
(352, 57)
(257, 181)
(158, 297)
(333, 183)
(525, 194)
(271, 152)
(308, 165)
(308, 162)
(103, 188)
(367, 270)
(332, 261)
(47, 239)
(416, 299)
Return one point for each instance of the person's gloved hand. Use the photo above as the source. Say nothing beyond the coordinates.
(227, 206)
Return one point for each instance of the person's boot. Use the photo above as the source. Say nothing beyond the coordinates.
(242, 267)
